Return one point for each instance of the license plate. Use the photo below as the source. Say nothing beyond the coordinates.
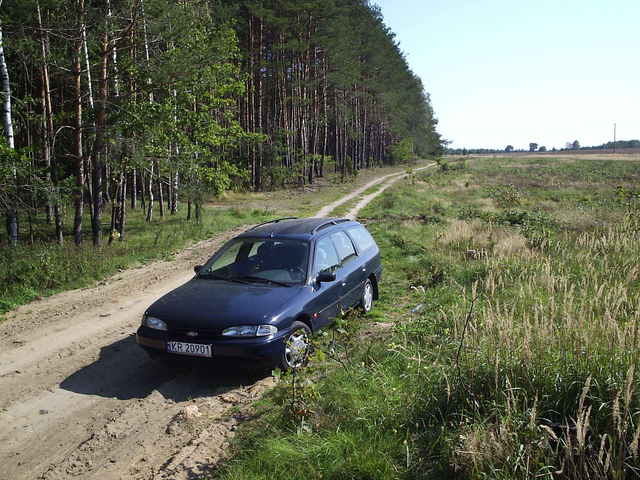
(193, 349)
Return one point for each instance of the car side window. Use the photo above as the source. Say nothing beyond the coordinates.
(344, 246)
(254, 249)
(227, 258)
(362, 238)
(326, 257)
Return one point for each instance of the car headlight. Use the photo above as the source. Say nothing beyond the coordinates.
(266, 330)
(155, 323)
(249, 331)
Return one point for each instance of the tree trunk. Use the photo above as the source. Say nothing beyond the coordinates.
(146, 46)
(100, 143)
(260, 102)
(114, 215)
(47, 110)
(123, 206)
(7, 122)
(134, 189)
(160, 194)
(114, 56)
(78, 195)
(87, 64)
(150, 188)
(174, 196)
(143, 192)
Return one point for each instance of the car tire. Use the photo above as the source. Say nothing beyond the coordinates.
(297, 347)
(366, 301)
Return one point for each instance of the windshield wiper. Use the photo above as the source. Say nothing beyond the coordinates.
(261, 279)
(213, 276)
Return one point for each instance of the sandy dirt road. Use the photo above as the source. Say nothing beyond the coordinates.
(367, 199)
(78, 397)
(386, 180)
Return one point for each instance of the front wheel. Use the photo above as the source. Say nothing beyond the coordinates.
(297, 347)
(366, 302)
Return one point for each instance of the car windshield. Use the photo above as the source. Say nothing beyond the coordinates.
(260, 260)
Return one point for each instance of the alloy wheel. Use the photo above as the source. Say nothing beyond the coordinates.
(297, 348)
(367, 296)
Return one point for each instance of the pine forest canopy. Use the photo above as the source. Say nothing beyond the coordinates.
(131, 103)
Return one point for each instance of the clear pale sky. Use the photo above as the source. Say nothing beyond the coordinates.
(517, 71)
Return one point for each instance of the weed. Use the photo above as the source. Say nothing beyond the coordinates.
(507, 196)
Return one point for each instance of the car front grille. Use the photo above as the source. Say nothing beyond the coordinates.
(201, 333)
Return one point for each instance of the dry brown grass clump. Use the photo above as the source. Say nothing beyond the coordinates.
(489, 240)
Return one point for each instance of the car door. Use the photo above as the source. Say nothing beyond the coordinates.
(350, 271)
(325, 305)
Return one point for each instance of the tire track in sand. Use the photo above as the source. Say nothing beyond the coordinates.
(364, 201)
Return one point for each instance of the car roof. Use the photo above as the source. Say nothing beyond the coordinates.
(297, 228)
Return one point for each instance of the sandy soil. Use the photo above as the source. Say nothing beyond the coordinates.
(326, 210)
(78, 397)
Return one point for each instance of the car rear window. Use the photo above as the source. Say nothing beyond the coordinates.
(364, 240)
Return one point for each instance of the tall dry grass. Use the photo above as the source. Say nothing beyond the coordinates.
(559, 331)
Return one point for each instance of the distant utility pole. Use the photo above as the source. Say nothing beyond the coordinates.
(614, 138)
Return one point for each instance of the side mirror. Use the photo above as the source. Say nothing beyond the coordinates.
(197, 268)
(326, 276)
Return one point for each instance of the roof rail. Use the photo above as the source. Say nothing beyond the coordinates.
(272, 221)
(328, 223)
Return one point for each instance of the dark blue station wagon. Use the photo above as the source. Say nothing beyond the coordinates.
(263, 293)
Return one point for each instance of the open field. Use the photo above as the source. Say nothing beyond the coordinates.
(504, 345)
(632, 154)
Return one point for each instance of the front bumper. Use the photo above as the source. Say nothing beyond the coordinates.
(260, 349)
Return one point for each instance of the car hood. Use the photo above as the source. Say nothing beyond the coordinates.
(217, 304)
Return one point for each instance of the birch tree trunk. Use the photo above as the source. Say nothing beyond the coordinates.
(78, 195)
(174, 196)
(150, 209)
(146, 46)
(114, 55)
(88, 158)
(160, 194)
(7, 122)
(85, 50)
